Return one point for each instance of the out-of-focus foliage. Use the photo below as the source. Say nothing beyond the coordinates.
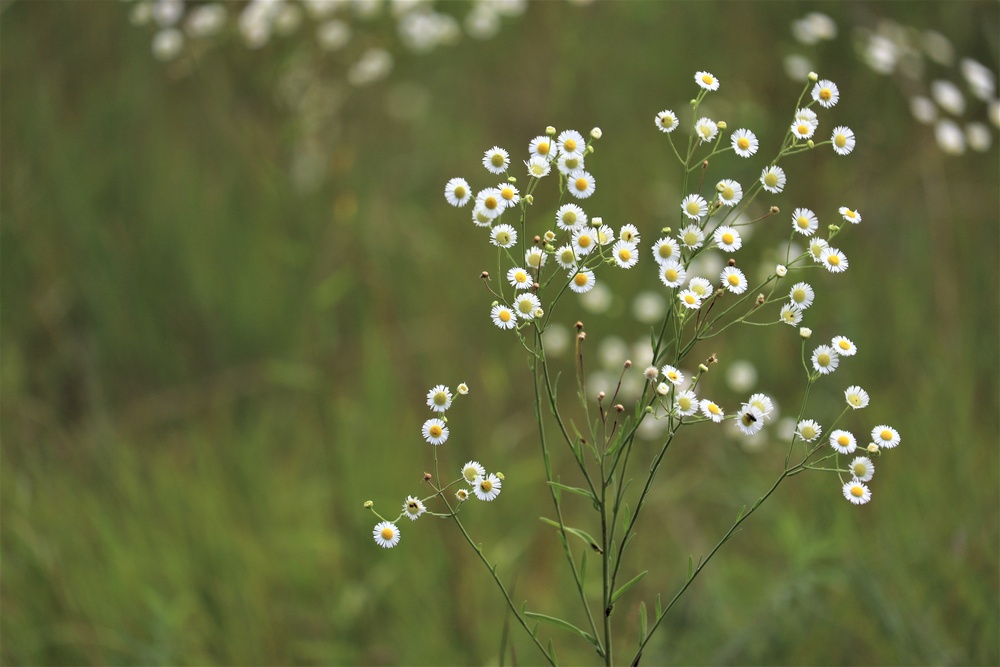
(207, 368)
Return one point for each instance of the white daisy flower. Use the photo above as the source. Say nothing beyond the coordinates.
(629, 233)
(857, 493)
(509, 194)
(538, 167)
(413, 508)
(666, 121)
(686, 403)
(674, 376)
(626, 254)
(472, 470)
(461, 495)
(850, 215)
(503, 316)
(694, 206)
(481, 217)
(672, 273)
(807, 115)
(525, 305)
(833, 260)
(535, 258)
(439, 398)
(804, 221)
(487, 487)
(665, 249)
(496, 160)
(816, 248)
(582, 281)
(730, 192)
(519, 278)
(856, 397)
(584, 241)
(790, 314)
(843, 441)
(734, 280)
(802, 295)
(567, 163)
(706, 129)
(566, 257)
(457, 192)
(692, 236)
(745, 142)
(808, 430)
(803, 129)
(605, 234)
(763, 403)
(571, 142)
(751, 420)
(386, 534)
(503, 235)
(844, 346)
(702, 287)
(581, 184)
(689, 299)
(727, 238)
(843, 140)
(824, 359)
(541, 146)
(826, 93)
(885, 437)
(570, 217)
(711, 410)
(435, 431)
(862, 468)
(490, 202)
(706, 80)
(773, 179)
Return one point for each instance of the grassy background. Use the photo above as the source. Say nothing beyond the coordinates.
(206, 369)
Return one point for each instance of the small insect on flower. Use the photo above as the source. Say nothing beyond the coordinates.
(413, 508)
(727, 239)
(773, 179)
(582, 281)
(581, 184)
(666, 121)
(862, 468)
(472, 470)
(706, 129)
(804, 221)
(857, 493)
(386, 534)
(503, 236)
(843, 140)
(439, 398)
(730, 192)
(503, 317)
(706, 80)
(711, 410)
(744, 142)
(672, 273)
(856, 397)
(496, 160)
(686, 403)
(843, 441)
(751, 420)
(570, 217)
(629, 233)
(808, 430)
(826, 93)
(885, 437)
(850, 215)
(691, 236)
(763, 403)
(833, 260)
(457, 192)
(694, 206)
(435, 431)
(825, 359)
(487, 487)
(519, 278)
(665, 249)
(790, 314)
(734, 280)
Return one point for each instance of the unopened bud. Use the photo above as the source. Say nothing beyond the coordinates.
(550, 236)
(628, 363)
(720, 186)
(619, 408)
(666, 230)
(760, 299)
(722, 124)
(511, 179)
(500, 476)
(597, 222)
(530, 199)
(539, 313)
(834, 228)
(485, 275)
(662, 389)
(703, 368)
(596, 133)
(811, 144)
(781, 270)
(775, 209)
(427, 477)
(582, 336)
(805, 332)
(536, 240)
(549, 248)
(693, 102)
(601, 395)
(590, 149)
(368, 504)
(535, 287)
(873, 449)
(579, 325)
(649, 409)
(551, 131)
(814, 77)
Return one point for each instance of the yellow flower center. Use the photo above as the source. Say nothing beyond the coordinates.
(833, 259)
(728, 193)
(799, 295)
(570, 145)
(486, 485)
(840, 140)
(627, 236)
(666, 250)
(440, 398)
(507, 194)
(496, 160)
(808, 432)
(706, 131)
(521, 277)
(694, 208)
(387, 533)
(670, 275)
(714, 409)
(803, 222)
(802, 129)
(491, 202)
(581, 184)
(504, 316)
(728, 238)
(460, 192)
(672, 375)
(525, 306)
(771, 179)
(689, 299)
(543, 148)
(580, 279)
(843, 441)
(857, 491)
(567, 256)
(572, 163)
(886, 435)
(503, 238)
(859, 469)
(854, 399)
(825, 94)
(850, 214)
(707, 79)
(435, 431)
(624, 254)
(470, 474)
(690, 238)
(743, 143)
(684, 402)
(584, 241)
(569, 218)
(667, 121)
(733, 279)
(816, 250)
(823, 359)
(844, 345)
(698, 289)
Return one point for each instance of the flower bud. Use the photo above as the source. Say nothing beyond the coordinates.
(551, 131)
(774, 210)
(368, 504)
(590, 149)
(485, 275)
(619, 408)
(596, 133)
(550, 236)
(722, 125)
(814, 77)
(529, 199)
(781, 270)
(600, 396)
(579, 326)
(500, 476)
(539, 313)
(805, 332)
(628, 363)
(597, 222)
(703, 368)
(811, 144)
(662, 389)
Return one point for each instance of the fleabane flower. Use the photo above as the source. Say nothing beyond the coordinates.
(463, 388)
(816, 248)
(689, 299)
(525, 305)
(833, 260)
(581, 184)
(825, 359)
(538, 166)
(584, 241)
(711, 410)
(629, 233)
(844, 346)
(773, 179)
(763, 403)
(541, 146)
(843, 441)
(666, 121)
(439, 398)
(571, 142)
(790, 314)
(706, 129)
(745, 142)
(472, 470)
(567, 163)
(435, 431)
(885, 437)
(626, 254)
(674, 376)
(862, 468)
(582, 281)
(665, 249)
(570, 217)
(734, 280)
(850, 215)
(691, 236)
(386, 534)
(503, 236)
(857, 492)
(694, 206)
(487, 487)
(826, 93)
(490, 202)
(701, 286)
(856, 397)
(804, 221)
(413, 508)
(481, 217)
(727, 238)
(672, 273)
(457, 192)
(503, 316)
(808, 430)
(496, 160)
(802, 295)
(509, 194)
(751, 419)
(730, 192)
(461, 495)
(686, 403)
(605, 234)
(566, 257)
(706, 80)
(843, 140)
(519, 278)
(535, 258)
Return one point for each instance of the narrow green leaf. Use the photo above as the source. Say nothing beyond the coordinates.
(565, 625)
(583, 566)
(626, 515)
(690, 566)
(552, 653)
(743, 511)
(579, 533)
(534, 630)
(642, 621)
(627, 585)
(659, 607)
(573, 489)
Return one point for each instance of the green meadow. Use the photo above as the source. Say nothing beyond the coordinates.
(213, 350)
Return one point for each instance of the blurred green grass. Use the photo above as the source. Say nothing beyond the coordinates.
(205, 371)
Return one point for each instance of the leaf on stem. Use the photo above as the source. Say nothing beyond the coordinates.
(659, 607)
(642, 621)
(575, 531)
(565, 625)
(627, 585)
(574, 489)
